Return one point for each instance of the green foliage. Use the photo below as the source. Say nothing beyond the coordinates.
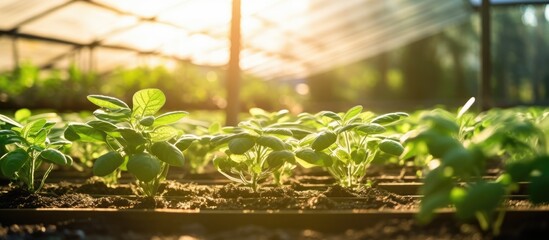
(462, 145)
(138, 141)
(258, 148)
(346, 143)
(27, 144)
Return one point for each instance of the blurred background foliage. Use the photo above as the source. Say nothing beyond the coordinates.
(441, 69)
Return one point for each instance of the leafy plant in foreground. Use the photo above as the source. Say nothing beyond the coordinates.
(26, 144)
(255, 150)
(139, 141)
(346, 143)
(461, 149)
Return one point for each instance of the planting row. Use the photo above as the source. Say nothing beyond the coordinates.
(450, 148)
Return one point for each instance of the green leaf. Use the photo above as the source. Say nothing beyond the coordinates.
(331, 115)
(84, 133)
(185, 142)
(371, 128)
(389, 118)
(144, 166)
(134, 140)
(10, 121)
(461, 160)
(278, 131)
(147, 121)
(310, 158)
(164, 133)
(466, 107)
(346, 128)
(324, 140)
(214, 128)
(359, 155)
(439, 145)
(169, 118)
(22, 115)
(147, 102)
(430, 203)
(40, 137)
(276, 159)
(107, 102)
(442, 124)
(482, 197)
(437, 180)
(342, 155)
(537, 190)
(271, 142)
(107, 163)
(258, 112)
(12, 161)
(53, 156)
(168, 153)
(241, 145)
(391, 147)
(352, 112)
(299, 133)
(33, 127)
(102, 125)
(9, 136)
(115, 116)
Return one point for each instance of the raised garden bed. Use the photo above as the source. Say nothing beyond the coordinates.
(213, 210)
(333, 175)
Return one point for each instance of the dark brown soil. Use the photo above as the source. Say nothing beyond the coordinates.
(175, 195)
(392, 229)
(296, 196)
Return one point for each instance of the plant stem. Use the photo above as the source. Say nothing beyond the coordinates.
(44, 177)
(31, 174)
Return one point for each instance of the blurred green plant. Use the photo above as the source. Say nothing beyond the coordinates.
(26, 144)
(462, 146)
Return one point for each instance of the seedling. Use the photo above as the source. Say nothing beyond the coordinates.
(255, 150)
(198, 148)
(26, 145)
(139, 141)
(346, 143)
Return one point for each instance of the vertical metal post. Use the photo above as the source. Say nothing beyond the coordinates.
(15, 52)
(233, 74)
(485, 88)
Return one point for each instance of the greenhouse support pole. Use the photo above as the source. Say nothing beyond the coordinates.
(233, 74)
(15, 52)
(485, 89)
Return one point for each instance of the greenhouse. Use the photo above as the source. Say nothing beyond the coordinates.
(274, 119)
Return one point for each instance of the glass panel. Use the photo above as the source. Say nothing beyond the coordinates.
(40, 52)
(17, 11)
(6, 54)
(148, 37)
(200, 15)
(144, 8)
(79, 22)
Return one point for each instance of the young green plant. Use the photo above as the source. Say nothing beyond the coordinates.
(139, 141)
(26, 145)
(254, 151)
(346, 143)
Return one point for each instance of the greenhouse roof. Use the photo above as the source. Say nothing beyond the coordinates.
(281, 39)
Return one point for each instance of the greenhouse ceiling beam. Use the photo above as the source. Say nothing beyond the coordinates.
(155, 20)
(15, 34)
(477, 4)
(42, 14)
